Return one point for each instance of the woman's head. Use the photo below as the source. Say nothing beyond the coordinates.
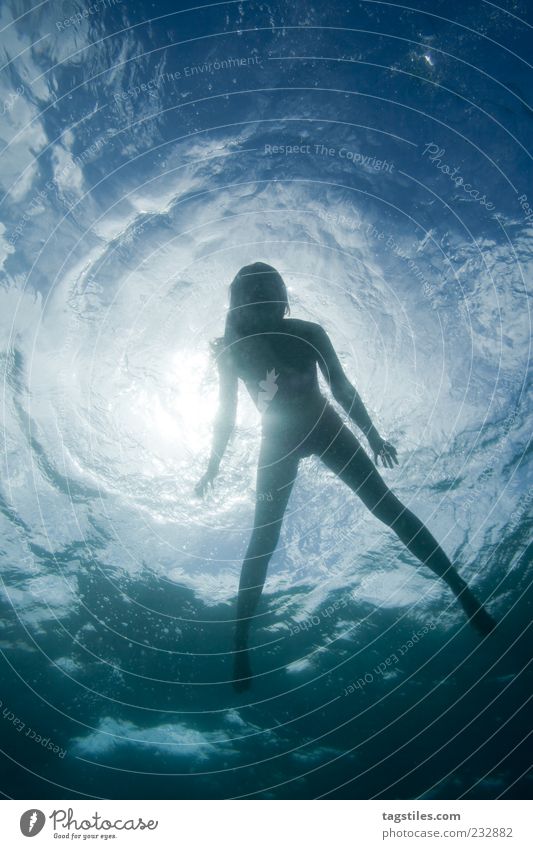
(258, 299)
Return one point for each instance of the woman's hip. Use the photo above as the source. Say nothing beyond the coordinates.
(331, 437)
(320, 432)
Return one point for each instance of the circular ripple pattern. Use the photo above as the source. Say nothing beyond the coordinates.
(377, 154)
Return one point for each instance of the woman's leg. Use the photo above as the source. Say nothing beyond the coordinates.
(275, 478)
(344, 455)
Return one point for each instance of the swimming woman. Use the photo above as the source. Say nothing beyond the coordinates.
(277, 359)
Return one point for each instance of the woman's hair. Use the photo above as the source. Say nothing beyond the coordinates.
(267, 286)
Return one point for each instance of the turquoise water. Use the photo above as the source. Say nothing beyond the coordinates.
(378, 156)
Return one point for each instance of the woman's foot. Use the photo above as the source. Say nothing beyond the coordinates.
(479, 618)
(242, 670)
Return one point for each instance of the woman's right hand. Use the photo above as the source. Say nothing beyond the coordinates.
(206, 480)
(384, 451)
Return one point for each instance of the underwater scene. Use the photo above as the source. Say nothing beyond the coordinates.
(377, 156)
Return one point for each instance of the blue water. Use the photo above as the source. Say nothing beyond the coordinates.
(377, 154)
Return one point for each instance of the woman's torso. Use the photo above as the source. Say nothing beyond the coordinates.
(279, 369)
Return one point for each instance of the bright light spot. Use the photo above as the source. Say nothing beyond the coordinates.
(194, 404)
(162, 420)
(174, 410)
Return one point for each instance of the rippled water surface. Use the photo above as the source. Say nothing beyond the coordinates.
(378, 155)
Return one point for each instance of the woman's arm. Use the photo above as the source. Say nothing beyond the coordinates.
(347, 396)
(227, 409)
(224, 420)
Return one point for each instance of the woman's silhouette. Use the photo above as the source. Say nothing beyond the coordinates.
(277, 359)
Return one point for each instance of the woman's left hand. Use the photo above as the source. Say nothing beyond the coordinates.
(384, 450)
(206, 481)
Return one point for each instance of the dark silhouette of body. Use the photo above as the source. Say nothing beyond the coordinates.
(277, 359)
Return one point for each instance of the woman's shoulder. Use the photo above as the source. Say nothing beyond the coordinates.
(217, 345)
(302, 328)
(222, 352)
